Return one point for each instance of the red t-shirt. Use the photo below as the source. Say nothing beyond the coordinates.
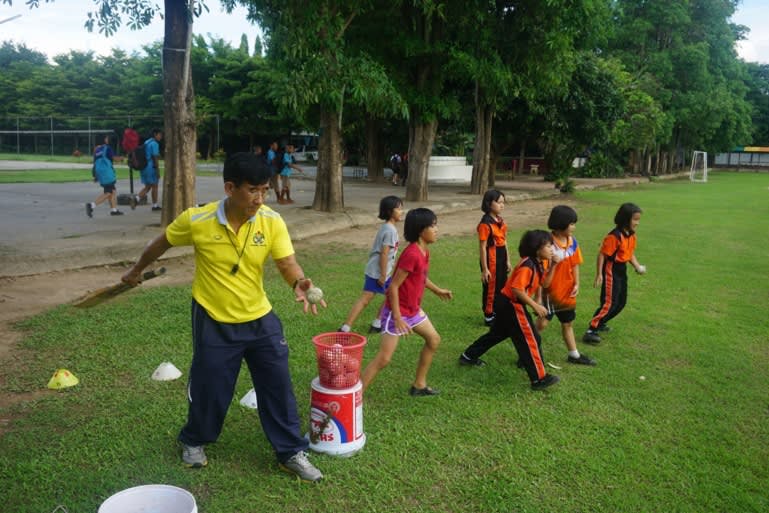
(416, 264)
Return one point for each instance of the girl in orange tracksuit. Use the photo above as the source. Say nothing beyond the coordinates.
(495, 264)
(513, 319)
(617, 249)
(560, 296)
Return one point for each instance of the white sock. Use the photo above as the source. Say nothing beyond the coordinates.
(574, 354)
(155, 205)
(377, 323)
(114, 209)
(93, 205)
(345, 328)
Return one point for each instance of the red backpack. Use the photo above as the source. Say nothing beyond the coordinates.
(130, 140)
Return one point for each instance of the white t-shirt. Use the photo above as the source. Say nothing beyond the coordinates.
(387, 236)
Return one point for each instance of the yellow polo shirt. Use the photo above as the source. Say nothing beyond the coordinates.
(227, 297)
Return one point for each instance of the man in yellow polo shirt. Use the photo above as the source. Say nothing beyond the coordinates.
(232, 319)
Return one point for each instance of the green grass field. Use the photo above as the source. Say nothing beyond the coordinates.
(690, 437)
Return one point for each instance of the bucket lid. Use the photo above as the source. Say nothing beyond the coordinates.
(62, 378)
(166, 371)
(160, 498)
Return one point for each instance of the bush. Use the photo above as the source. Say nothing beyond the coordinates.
(599, 165)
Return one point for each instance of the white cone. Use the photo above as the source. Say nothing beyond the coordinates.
(166, 371)
(249, 400)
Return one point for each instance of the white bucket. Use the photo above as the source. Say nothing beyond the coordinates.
(150, 499)
(336, 420)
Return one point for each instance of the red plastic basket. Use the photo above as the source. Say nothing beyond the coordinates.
(339, 358)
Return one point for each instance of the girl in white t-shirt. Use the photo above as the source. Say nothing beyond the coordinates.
(381, 260)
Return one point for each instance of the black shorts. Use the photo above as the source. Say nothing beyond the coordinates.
(563, 315)
(109, 188)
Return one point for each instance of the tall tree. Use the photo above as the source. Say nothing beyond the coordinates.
(307, 48)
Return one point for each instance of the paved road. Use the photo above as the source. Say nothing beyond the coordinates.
(43, 227)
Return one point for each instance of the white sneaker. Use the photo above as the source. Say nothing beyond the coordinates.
(194, 456)
(299, 464)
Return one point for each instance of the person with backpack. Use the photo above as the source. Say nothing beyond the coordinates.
(104, 173)
(129, 143)
(150, 172)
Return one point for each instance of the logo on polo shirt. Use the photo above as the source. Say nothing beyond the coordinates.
(258, 239)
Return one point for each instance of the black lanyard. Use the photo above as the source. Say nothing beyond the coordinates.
(236, 267)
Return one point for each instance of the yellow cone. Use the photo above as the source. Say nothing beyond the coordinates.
(62, 378)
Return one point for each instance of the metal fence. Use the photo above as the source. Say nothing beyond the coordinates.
(52, 135)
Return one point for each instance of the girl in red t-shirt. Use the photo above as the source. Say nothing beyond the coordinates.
(513, 319)
(402, 313)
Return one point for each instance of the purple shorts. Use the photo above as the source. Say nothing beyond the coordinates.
(371, 285)
(388, 321)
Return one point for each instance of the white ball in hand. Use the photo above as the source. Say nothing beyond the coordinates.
(314, 295)
(641, 269)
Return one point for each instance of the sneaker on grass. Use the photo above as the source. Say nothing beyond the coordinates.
(299, 465)
(470, 362)
(194, 456)
(541, 384)
(591, 337)
(582, 360)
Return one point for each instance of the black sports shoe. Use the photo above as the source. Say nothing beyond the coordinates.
(116, 213)
(374, 329)
(89, 210)
(591, 337)
(582, 360)
(541, 384)
(156, 209)
(471, 362)
(419, 392)
(603, 328)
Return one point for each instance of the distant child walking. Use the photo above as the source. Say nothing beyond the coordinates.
(381, 260)
(513, 319)
(495, 265)
(402, 313)
(617, 249)
(560, 295)
(104, 174)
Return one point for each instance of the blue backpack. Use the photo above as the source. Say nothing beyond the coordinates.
(102, 167)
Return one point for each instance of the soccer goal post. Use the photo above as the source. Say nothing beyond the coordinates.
(699, 169)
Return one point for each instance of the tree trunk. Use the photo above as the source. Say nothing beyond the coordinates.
(421, 139)
(491, 167)
(329, 195)
(374, 150)
(178, 112)
(521, 158)
(479, 181)
(482, 177)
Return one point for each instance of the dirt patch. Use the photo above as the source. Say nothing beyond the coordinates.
(25, 296)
